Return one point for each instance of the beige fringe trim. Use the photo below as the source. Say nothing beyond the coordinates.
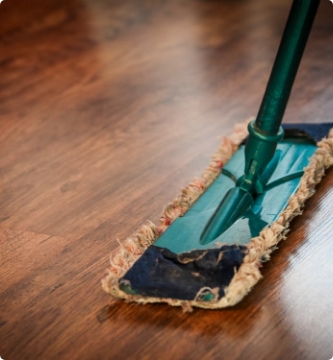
(259, 247)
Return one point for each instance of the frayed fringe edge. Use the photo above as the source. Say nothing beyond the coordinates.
(259, 247)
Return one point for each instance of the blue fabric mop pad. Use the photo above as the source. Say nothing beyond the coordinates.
(179, 269)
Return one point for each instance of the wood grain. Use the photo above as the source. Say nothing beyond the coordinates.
(108, 108)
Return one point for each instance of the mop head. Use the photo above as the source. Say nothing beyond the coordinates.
(219, 277)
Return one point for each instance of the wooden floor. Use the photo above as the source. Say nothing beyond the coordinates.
(107, 109)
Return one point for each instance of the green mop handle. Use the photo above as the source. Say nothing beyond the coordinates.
(265, 131)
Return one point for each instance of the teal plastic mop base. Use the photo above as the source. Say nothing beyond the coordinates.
(285, 171)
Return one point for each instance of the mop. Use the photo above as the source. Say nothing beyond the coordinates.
(213, 238)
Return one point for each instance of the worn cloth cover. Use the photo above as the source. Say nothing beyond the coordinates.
(162, 273)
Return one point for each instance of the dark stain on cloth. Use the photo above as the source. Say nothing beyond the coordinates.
(161, 273)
